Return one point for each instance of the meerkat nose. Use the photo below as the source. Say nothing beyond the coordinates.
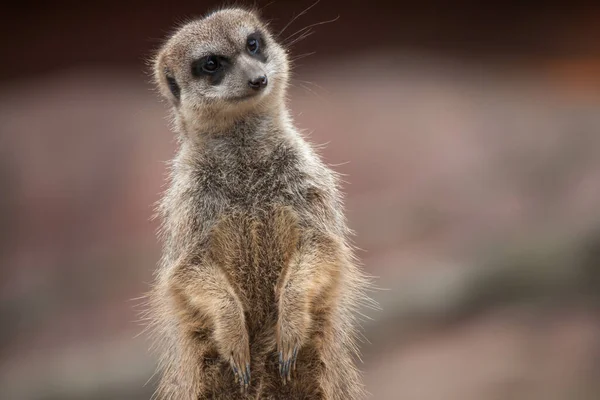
(258, 83)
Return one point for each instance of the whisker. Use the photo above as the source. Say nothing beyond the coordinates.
(301, 56)
(298, 16)
(310, 90)
(314, 84)
(300, 38)
(267, 5)
(311, 26)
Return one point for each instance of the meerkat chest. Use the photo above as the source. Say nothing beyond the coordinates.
(255, 205)
(253, 248)
(249, 179)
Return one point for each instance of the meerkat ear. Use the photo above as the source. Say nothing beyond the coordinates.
(158, 68)
(164, 78)
(173, 85)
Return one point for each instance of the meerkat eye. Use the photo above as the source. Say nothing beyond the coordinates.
(173, 87)
(253, 44)
(206, 65)
(211, 64)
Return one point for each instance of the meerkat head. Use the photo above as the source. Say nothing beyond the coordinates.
(220, 68)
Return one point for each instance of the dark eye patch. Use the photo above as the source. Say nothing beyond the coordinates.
(255, 46)
(173, 86)
(212, 67)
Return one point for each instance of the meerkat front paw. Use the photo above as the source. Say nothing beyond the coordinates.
(239, 359)
(290, 336)
(233, 344)
(288, 353)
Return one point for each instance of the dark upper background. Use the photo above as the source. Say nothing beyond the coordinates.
(470, 139)
(41, 37)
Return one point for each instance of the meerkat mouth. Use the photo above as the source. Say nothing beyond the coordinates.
(243, 97)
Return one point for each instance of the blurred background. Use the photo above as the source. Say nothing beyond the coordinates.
(469, 137)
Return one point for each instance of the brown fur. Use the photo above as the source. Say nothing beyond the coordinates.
(257, 267)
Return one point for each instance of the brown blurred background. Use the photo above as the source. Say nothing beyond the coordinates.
(470, 139)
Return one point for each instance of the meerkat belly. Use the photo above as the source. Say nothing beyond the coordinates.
(253, 247)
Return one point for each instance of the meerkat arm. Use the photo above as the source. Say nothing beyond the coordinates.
(206, 289)
(312, 270)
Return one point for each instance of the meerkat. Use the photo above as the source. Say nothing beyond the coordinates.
(257, 292)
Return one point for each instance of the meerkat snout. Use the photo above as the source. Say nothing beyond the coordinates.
(258, 83)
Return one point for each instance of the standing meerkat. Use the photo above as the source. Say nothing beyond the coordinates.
(257, 291)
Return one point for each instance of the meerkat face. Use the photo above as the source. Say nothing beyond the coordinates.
(221, 67)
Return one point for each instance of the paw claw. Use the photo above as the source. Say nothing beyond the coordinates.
(294, 357)
(287, 362)
(241, 373)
